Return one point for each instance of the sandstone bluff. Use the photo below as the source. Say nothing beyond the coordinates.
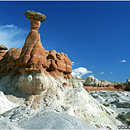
(38, 91)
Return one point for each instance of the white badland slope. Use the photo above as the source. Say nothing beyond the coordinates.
(71, 99)
(91, 80)
(118, 101)
(5, 104)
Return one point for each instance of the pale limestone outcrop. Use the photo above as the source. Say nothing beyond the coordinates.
(74, 101)
(91, 80)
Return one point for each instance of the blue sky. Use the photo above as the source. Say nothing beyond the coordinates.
(94, 35)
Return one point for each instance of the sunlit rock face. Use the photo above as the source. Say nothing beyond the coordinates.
(33, 57)
(39, 81)
(91, 80)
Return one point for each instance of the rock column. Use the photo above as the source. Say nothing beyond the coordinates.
(33, 55)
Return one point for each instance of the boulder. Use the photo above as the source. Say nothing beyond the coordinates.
(91, 80)
(2, 51)
(35, 15)
(128, 81)
(2, 47)
(127, 84)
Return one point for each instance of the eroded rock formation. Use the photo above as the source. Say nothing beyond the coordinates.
(92, 83)
(33, 57)
(127, 84)
(33, 78)
(2, 51)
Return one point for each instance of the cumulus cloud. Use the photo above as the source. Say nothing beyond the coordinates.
(79, 72)
(12, 36)
(123, 61)
(72, 63)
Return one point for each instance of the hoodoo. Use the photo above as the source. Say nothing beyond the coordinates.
(33, 57)
(40, 84)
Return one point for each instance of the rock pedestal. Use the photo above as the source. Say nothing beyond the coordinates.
(34, 58)
(33, 55)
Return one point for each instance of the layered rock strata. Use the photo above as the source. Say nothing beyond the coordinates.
(33, 57)
(41, 81)
(91, 83)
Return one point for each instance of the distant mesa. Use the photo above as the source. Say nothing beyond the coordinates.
(92, 83)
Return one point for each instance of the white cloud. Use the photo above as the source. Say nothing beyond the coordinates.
(12, 36)
(112, 72)
(79, 72)
(72, 63)
(8, 26)
(101, 73)
(123, 61)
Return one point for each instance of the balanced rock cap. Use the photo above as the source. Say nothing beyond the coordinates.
(35, 15)
(2, 47)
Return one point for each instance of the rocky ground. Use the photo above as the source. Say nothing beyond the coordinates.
(117, 101)
(67, 102)
(37, 91)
